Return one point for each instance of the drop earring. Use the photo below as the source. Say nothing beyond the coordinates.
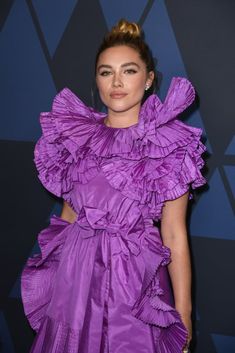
(146, 87)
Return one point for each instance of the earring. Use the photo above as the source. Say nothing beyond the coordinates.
(146, 87)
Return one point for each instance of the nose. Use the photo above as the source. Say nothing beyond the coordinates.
(117, 82)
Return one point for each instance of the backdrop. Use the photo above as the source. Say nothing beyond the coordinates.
(47, 45)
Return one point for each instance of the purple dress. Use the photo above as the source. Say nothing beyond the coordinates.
(100, 285)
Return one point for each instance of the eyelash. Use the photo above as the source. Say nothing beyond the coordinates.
(105, 73)
(128, 71)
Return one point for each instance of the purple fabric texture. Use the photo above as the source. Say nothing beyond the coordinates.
(100, 285)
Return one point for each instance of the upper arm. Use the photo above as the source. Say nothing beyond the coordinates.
(68, 213)
(173, 222)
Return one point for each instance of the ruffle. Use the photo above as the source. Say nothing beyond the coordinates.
(152, 161)
(154, 308)
(168, 329)
(154, 181)
(38, 280)
(59, 160)
(169, 159)
(40, 270)
(59, 337)
(59, 168)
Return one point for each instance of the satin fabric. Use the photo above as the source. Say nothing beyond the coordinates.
(100, 285)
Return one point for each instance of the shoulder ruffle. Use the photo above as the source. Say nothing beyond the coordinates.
(173, 149)
(59, 152)
(152, 161)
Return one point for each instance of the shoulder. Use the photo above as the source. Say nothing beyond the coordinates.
(164, 159)
(66, 129)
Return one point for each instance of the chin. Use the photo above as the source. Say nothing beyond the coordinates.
(121, 108)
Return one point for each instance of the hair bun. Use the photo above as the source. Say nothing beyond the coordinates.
(126, 27)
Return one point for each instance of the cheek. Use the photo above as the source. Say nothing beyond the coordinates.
(138, 83)
(102, 87)
(102, 91)
(98, 84)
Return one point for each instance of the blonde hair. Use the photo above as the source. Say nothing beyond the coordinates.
(123, 26)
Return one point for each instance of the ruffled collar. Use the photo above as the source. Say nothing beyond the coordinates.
(85, 128)
(151, 161)
(179, 96)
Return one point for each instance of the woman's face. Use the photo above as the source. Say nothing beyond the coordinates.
(121, 78)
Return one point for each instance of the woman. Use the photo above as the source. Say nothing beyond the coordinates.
(100, 284)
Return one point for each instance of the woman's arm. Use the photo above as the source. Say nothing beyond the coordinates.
(67, 213)
(174, 236)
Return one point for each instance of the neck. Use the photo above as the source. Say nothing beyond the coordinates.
(122, 119)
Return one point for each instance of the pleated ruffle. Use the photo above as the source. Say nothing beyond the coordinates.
(154, 309)
(39, 273)
(57, 337)
(152, 161)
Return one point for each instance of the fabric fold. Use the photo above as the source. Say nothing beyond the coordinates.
(137, 169)
(154, 308)
(159, 153)
(59, 337)
(39, 273)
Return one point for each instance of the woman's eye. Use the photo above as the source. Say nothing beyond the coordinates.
(105, 73)
(130, 71)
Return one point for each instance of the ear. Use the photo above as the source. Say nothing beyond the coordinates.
(150, 78)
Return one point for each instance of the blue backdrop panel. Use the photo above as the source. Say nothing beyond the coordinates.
(53, 16)
(114, 10)
(213, 217)
(231, 147)
(230, 173)
(28, 87)
(224, 343)
(159, 31)
(6, 343)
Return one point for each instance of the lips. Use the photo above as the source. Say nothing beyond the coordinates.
(117, 95)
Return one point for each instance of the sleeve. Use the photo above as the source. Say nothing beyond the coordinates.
(58, 152)
(181, 161)
(165, 159)
(176, 148)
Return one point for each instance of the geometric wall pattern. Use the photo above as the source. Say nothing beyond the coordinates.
(47, 45)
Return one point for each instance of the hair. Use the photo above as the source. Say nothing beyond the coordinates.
(131, 35)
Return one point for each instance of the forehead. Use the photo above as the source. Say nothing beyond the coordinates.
(119, 55)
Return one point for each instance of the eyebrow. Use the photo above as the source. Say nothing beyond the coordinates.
(123, 65)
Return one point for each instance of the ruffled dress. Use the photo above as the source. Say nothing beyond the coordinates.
(100, 284)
